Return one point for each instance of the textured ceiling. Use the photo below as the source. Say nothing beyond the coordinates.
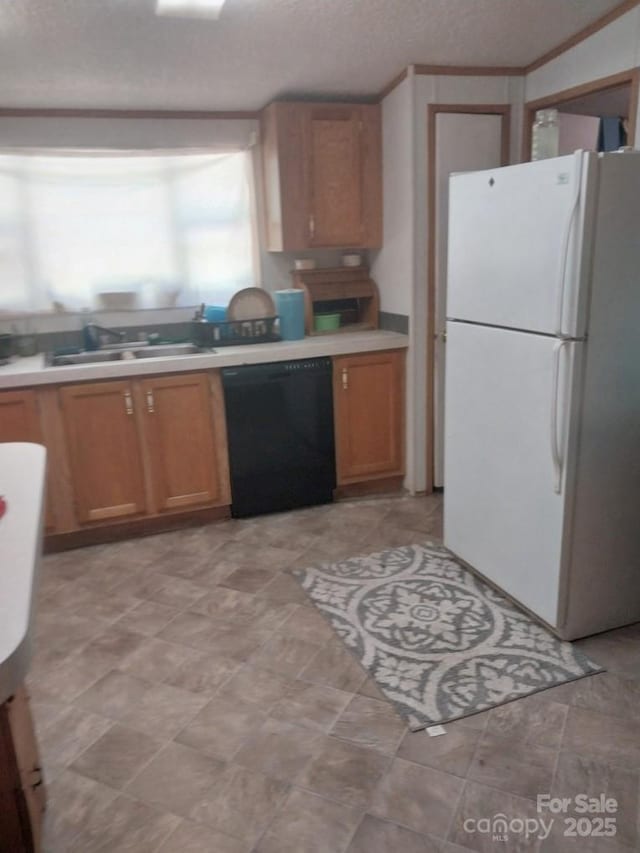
(118, 53)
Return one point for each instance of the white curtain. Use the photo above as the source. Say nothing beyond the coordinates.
(156, 229)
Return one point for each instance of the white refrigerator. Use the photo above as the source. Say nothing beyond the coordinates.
(542, 392)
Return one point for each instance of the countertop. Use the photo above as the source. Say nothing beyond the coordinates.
(25, 372)
(22, 478)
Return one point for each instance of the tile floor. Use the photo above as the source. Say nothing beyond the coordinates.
(189, 700)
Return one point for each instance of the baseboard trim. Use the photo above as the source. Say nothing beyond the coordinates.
(386, 485)
(56, 542)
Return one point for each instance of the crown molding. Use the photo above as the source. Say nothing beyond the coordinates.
(469, 70)
(64, 112)
(391, 85)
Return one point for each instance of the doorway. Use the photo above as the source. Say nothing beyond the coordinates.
(612, 100)
(461, 138)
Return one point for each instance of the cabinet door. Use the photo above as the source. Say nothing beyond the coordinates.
(368, 395)
(181, 443)
(104, 450)
(322, 167)
(335, 176)
(344, 154)
(20, 421)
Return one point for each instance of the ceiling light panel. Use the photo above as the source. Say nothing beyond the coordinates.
(190, 8)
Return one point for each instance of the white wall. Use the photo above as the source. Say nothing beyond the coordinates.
(161, 133)
(392, 266)
(612, 49)
(577, 131)
(400, 267)
(276, 267)
(444, 90)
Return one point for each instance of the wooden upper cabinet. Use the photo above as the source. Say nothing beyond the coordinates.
(183, 415)
(335, 177)
(322, 168)
(104, 450)
(368, 399)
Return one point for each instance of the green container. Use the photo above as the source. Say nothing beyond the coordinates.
(326, 322)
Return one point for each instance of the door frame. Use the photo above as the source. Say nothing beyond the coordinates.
(602, 84)
(504, 111)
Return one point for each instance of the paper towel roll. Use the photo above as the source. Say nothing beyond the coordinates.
(290, 307)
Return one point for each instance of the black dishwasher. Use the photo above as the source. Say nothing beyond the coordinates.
(280, 433)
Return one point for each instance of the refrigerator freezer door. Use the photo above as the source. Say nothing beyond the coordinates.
(503, 511)
(515, 245)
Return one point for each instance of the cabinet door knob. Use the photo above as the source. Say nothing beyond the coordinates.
(345, 379)
(150, 402)
(128, 402)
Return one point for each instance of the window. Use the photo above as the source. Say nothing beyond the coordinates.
(132, 230)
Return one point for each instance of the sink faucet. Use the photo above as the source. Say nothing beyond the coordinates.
(91, 333)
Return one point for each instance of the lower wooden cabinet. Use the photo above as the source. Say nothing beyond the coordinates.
(135, 449)
(19, 418)
(368, 400)
(22, 792)
(105, 452)
(185, 465)
(145, 446)
(20, 421)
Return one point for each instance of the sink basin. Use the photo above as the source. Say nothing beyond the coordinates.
(162, 350)
(122, 354)
(83, 358)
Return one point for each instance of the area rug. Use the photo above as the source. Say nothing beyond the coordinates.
(440, 643)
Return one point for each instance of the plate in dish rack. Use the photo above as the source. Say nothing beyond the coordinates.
(251, 303)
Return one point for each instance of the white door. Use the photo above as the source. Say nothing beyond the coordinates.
(514, 245)
(464, 142)
(502, 512)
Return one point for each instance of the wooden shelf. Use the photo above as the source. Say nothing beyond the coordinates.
(337, 284)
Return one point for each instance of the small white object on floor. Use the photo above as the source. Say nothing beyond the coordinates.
(434, 731)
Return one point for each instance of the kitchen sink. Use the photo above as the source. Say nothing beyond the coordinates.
(162, 350)
(123, 353)
(54, 360)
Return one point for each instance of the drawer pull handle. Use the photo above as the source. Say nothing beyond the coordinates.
(150, 402)
(345, 379)
(128, 402)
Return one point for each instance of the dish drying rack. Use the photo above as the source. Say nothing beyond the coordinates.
(228, 333)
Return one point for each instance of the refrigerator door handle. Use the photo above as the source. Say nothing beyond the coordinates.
(566, 240)
(556, 451)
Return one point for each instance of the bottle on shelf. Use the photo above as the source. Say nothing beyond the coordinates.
(545, 135)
